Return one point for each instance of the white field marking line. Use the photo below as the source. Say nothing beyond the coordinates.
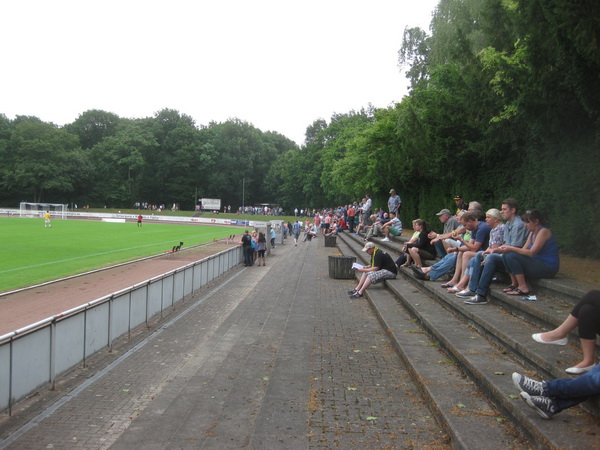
(72, 394)
(91, 255)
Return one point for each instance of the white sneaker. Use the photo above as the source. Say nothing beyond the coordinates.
(385, 240)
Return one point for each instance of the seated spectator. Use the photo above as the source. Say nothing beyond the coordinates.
(548, 398)
(450, 224)
(421, 249)
(480, 232)
(405, 259)
(586, 317)
(382, 267)
(377, 223)
(483, 270)
(363, 227)
(393, 227)
(460, 281)
(538, 258)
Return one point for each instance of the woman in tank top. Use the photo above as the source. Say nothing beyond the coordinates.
(538, 258)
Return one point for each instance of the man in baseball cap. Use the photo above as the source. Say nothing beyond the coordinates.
(382, 267)
(394, 202)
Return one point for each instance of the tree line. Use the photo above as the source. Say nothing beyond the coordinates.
(504, 102)
(103, 160)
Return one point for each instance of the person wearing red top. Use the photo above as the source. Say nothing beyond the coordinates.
(351, 214)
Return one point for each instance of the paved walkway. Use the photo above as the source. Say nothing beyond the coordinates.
(267, 357)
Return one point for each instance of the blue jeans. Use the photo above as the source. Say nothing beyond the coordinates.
(442, 267)
(482, 275)
(439, 249)
(571, 392)
(248, 256)
(524, 265)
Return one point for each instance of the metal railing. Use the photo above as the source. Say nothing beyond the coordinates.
(34, 356)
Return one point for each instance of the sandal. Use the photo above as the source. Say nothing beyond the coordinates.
(447, 285)
(454, 289)
(510, 288)
(517, 291)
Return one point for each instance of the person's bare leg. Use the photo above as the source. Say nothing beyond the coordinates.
(463, 283)
(361, 282)
(365, 285)
(588, 347)
(521, 283)
(458, 270)
(414, 253)
(560, 332)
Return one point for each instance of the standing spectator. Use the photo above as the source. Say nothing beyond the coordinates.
(394, 202)
(460, 204)
(247, 248)
(296, 230)
(351, 213)
(273, 236)
(366, 210)
(261, 247)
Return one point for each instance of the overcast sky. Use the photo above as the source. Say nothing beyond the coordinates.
(277, 64)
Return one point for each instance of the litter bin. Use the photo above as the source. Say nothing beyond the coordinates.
(330, 241)
(340, 267)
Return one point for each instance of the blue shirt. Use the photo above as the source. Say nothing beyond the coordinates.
(516, 233)
(482, 234)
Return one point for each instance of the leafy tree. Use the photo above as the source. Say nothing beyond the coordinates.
(120, 164)
(93, 126)
(40, 161)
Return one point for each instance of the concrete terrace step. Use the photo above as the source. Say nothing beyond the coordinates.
(455, 401)
(489, 344)
(556, 296)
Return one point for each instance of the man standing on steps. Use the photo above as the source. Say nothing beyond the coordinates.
(247, 248)
(382, 267)
(394, 202)
(484, 269)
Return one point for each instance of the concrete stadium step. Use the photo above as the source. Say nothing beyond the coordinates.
(503, 346)
(455, 401)
(556, 296)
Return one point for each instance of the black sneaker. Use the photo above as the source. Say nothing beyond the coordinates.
(526, 384)
(476, 300)
(418, 273)
(352, 292)
(544, 406)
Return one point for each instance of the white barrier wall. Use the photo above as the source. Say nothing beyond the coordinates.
(32, 357)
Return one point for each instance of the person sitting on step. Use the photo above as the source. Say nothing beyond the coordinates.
(548, 398)
(585, 316)
(382, 267)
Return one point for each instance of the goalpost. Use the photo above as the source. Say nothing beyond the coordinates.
(57, 210)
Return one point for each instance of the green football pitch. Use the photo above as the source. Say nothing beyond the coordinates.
(32, 254)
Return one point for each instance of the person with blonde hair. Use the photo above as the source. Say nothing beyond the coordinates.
(460, 281)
